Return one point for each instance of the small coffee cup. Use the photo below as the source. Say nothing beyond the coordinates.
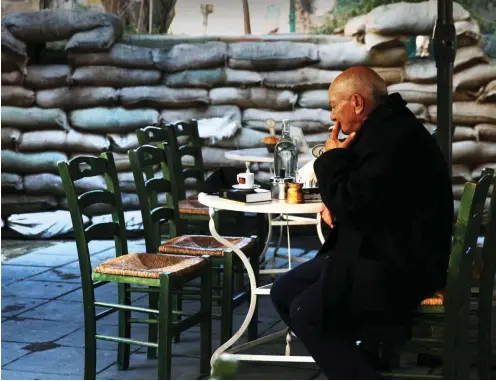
(246, 180)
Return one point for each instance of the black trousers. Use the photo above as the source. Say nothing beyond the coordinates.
(298, 299)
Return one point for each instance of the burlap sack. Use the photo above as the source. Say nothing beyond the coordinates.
(254, 97)
(351, 53)
(278, 55)
(116, 119)
(123, 143)
(310, 120)
(355, 26)
(17, 162)
(408, 18)
(390, 75)
(73, 141)
(17, 96)
(488, 93)
(162, 96)
(318, 138)
(10, 138)
(473, 153)
(314, 99)
(70, 98)
(476, 172)
(88, 184)
(419, 110)
(460, 173)
(11, 62)
(474, 77)
(12, 78)
(191, 56)
(20, 203)
(464, 133)
(213, 158)
(373, 40)
(306, 78)
(114, 76)
(213, 78)
(244, 138)
(34, 118)
(174, 115)
(467, 32)
(44, 184)
(469, 113)
(424, 93)
(47, 76)
(11, 182)
(121, 55)
(486, 132)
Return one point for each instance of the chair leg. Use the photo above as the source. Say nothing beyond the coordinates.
(124, 350)
(89, 342)
(165, 328)
(253, 326)
(151, 353)
(216, 282)
(206, 319)
(177, 305)
(227, 299)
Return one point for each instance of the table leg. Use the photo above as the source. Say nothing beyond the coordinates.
(319, 228)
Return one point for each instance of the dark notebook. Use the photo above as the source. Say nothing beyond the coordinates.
(246, 195)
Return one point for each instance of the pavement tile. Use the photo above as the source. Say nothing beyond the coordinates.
(38, 290)
(69, 248)
(12, 351)
(59, 310)
(12, 273)
(106, 293)
(60, 274)
(65, 360)
(45, 260)
(20, 375)
(263, 371)
(12, 305)
(33, 330)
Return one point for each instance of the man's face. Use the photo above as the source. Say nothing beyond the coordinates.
(343, 110)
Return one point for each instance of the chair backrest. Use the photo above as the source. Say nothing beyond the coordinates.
(150, 135)
(143, 160)
(88, 166)
(459, 280)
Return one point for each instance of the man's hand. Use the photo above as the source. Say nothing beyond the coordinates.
(327, 217)
(333, 141)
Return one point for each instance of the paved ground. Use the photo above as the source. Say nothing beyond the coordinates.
(42, 323)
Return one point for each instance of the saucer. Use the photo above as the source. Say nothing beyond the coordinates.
(239, 186)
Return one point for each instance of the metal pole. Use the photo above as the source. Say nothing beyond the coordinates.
(444, 40)
(292, 16)
(246, 16)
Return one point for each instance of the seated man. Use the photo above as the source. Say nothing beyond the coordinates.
(389, 201)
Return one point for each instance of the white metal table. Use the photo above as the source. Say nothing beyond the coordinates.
(262, 155)
(216, 203)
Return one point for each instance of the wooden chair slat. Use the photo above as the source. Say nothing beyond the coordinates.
(99, 196)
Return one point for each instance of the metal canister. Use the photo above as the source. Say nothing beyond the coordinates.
(278, 187)
(294, 193)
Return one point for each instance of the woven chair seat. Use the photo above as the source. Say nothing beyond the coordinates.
(436, 300)
(204, 245)
(149, 265)
(192, 206)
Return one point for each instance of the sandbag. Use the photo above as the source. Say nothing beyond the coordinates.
(244, 138)
(314, 99)
(373, 40)
(254, 97)
(17, 96)
(213, 78)
(44, 183)
(121, 55)
(174, 115)
(346, 54)
(47, 76)
(488, 93)
(474, 77)
(123, 143)
(12, 78)
(162, 96)
(130, 201)
(469, 113)
(133, 220)
(390, 75)
(425, 70)
(34, 118)
(265, 55)
(44, 224)
(77, 97)
(10, 138)
(213, 158)
(126, 182)
(355, 26)
(114, 76)
(305, 78)
(310, 120)
(116, 119)
(17, 162)
(464, 133)
(476, 172)
(191, 56)
(316, 138)
(21, 203)
(473, 153)
(89, 30)
(11, 182)
(461, 173)
(419, 110)
(467, 31)
(486, 132)
(11, 62)
(408, 18)
(88, 184)
(73, 141)
(424, 93)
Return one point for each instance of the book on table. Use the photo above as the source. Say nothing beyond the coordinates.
(246, 195)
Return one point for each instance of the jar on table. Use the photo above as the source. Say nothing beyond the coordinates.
(294, 194)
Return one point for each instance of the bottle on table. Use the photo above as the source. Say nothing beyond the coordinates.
(286, 153)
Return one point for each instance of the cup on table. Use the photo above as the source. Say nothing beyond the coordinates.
(246, 180)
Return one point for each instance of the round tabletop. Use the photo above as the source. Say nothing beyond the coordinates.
(271, 207)
(261, 155)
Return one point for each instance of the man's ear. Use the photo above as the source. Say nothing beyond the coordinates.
(358, 103)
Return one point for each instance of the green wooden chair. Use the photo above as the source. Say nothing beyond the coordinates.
(163, 274)
(224, 260)
(450, 308)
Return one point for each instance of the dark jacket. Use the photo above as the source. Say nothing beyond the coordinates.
(391, 199)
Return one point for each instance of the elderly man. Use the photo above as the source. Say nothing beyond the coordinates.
(389, 201)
